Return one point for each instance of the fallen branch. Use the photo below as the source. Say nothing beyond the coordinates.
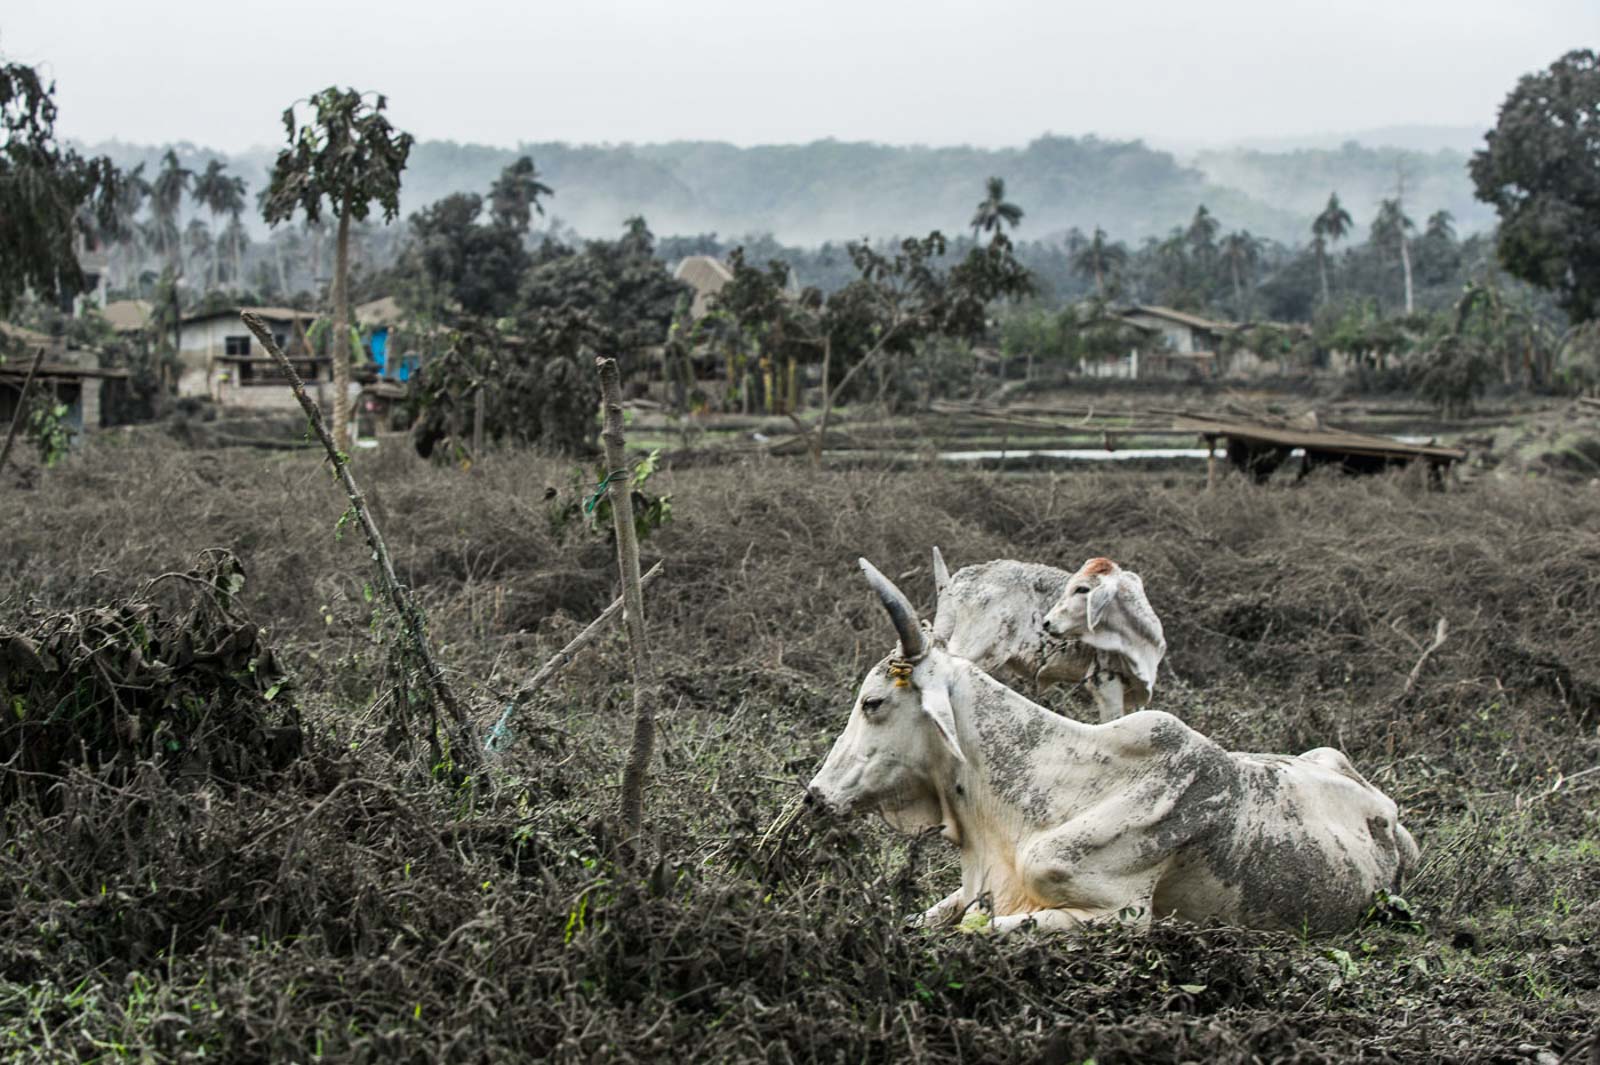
(558, 661)
(22, 398)
(1440, 631)
(465, 749)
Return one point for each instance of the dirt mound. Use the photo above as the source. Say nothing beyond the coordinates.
(175, 674)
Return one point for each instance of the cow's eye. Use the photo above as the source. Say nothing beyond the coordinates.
(872, 706)
(1081, 590)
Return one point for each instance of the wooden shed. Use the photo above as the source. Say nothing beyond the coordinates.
(1258, 449)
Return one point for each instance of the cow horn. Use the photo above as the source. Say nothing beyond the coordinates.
(912, 643)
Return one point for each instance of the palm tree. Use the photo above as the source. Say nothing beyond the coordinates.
(1327, 228)
(1100, 259)
(131, 196)
(994, 213)
(1242, 252)
(237, 238)
(219, 194)
(1390, 228)
(166, 198)
(1441, 227)
(515, 195)
(1202, 233)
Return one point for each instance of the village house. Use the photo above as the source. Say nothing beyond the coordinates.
(707, 276)
(128, 316)
(72, 377)
(1181, 344)
(222, 361)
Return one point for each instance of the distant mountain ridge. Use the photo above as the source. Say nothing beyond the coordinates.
(833, 190)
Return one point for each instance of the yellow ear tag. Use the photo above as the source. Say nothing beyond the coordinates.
(900, 670)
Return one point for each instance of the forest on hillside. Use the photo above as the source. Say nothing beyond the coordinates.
(808, 194)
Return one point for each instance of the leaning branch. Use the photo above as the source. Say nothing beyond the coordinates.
(22, 405)
(466, 749)
(558, 661)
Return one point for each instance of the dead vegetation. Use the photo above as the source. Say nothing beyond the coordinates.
(357, 906)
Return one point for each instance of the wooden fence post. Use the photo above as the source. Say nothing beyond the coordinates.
(619, 486)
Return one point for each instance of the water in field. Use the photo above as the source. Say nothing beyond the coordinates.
(1079, 454)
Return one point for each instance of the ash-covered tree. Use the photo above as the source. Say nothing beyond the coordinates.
(49, 194)
(1540, 168)
(1104, 260)
(620, 282)
(514, 196)
(537, 386)
(455, 265)
(1390, 232)
(900, 300)
(344, 158)
(1241, 252)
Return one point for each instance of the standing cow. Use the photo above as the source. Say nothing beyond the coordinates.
(1060, 822)
(1027, 623)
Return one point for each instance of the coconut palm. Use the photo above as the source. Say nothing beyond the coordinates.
(1390, 228)
(1242, 252)
(1441, 227)
(994, 213)
(515, 195)
(166, 199)
(132, 193)
(1202, 233)
(220, 194)
(1101, 259)
(237, 238)
(1328, 228)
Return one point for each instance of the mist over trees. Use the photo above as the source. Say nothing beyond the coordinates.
(831, 190)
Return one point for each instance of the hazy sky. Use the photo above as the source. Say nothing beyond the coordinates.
(750, 71)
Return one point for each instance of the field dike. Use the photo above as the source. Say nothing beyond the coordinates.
(288, 884)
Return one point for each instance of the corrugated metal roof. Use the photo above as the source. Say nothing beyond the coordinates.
(270, 314)
(1193, 321)
(1326, 438)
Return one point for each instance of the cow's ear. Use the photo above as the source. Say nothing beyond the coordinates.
(1100, 597)
(941, 577)
(936, 704)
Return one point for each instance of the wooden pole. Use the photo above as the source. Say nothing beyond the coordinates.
(477, 426)
(1211, 462)
(619, 484)
(465, 749)
(22, 400)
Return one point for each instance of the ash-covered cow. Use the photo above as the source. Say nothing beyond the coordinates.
(1028, 623)
(1060, 822)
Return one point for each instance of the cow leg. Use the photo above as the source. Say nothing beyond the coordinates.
(1136, 915)
(940, 913)
(1049, 920)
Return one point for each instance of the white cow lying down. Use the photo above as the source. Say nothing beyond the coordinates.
(1024, 622)
(1060, 822)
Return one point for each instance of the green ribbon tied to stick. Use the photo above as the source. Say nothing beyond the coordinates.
(600, 490)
